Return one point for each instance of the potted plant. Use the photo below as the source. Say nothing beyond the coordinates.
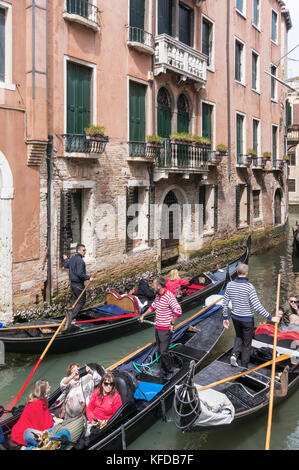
(286, 158)
(252, 153)
(222, 149)
(154, 139)
(203, 142)
(95, 132)
(266, 156)
(181, 137)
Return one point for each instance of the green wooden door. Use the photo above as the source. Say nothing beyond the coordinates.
(78, 98)
(164, 114)
(239, 135)
(165, 17)
(137, 112)
(137, 20)
(183, 118)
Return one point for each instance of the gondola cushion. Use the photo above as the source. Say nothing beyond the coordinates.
(147, 390)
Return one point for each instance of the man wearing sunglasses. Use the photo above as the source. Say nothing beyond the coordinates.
(290, 311)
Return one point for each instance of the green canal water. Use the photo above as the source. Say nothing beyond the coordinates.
(263, 271)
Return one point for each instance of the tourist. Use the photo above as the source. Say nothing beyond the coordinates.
(245, 302)
(35, 417)
(167, 311)
(144, 292)
(131, 290)
(104, 402)
(174, 282)
(77, 388)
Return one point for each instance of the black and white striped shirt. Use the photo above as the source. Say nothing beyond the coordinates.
(244, 301)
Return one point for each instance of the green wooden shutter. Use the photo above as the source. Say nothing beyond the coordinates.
(288, 113)
(185, 25)
(183, 115)
(131, 198)
(66, 236)
(137, 20)
(239, 135)
(255, 135)
(2, 45)
(274, 144)
(137, 112)
(248, 203)
(202, 206)
(238, 199)
(78, 98)
(207, 120)
(205, 39)
(238, 61)
(165, 17)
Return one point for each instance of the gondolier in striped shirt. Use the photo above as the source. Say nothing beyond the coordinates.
(244, 302)
(167, 311)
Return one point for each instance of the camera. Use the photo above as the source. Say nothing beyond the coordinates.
(82, 371)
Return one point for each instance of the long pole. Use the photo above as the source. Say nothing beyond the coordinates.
(18, 396)
(284, 357)
(271, 398)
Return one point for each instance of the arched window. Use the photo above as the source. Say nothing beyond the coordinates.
(183, 118)
(171, 220)
(164, 113)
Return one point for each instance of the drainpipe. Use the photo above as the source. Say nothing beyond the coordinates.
(228, 88)
(48, 283)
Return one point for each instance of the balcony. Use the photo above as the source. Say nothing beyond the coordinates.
(187, 157)
(278, 165)
(140, 40)
(214, 157)
(293, 134)
(243, 161)
(144, 151)
(258, 163)
(82, 12)
(80, 146)
(172, 55)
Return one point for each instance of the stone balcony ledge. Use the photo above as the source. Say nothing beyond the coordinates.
(174, 56)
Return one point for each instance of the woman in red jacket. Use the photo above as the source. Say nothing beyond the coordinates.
(35, 418)
(174, 282)
(104, 401)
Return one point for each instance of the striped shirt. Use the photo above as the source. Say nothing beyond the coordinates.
(166, 306)
(244, 301)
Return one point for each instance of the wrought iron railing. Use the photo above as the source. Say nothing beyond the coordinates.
(140, 36)
(277, 164)
(243, 160)
(80, 143)
(185, 156)
(258, 162)
(144, 150)
(82, 8)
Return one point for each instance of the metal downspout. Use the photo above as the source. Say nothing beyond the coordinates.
(228, 89)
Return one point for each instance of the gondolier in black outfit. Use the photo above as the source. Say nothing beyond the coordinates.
(77, 276)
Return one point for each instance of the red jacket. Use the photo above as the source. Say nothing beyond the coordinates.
(102, 407)
(173, 286)
(36, 415)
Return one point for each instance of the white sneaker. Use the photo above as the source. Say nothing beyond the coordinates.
(233, 361)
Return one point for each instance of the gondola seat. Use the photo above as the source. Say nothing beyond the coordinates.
(126, 302)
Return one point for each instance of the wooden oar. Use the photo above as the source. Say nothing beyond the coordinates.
(18, 396)
(234, 377)
(153, 342)
(271, 398)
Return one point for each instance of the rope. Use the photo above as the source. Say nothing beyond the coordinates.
(136, 365)
(179, 401)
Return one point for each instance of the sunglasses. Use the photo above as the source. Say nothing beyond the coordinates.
(108, 383)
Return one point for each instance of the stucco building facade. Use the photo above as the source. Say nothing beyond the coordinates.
(145, 68)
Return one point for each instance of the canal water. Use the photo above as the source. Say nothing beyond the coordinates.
(263, 271)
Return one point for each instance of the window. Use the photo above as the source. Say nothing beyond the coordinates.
(256, 204)
(288, 108)
(292, 186)
(206, 118)
(137, 112)
(185, 25)
(239, 61)
(164, 113)
(292, 161)
(165, 17)
(273, 84)
(207, 43)
(274, 143)
(240, 6)
(183, 116)
(137, 11)
(240, 135)
(256, 136)
(274, 27)
(2, 45)
(255, 71)
(208, 208)
(256, 13)
(78, 97)
(77, 7)
(242, 205)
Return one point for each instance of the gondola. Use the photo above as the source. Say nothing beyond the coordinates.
(239, 399)
(93, 326)
(192, 340)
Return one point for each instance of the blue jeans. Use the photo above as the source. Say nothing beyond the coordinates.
(29, 437)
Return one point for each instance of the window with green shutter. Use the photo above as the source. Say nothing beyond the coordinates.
(78, 98)
(137, 20)
(240, 134)
(207, 111)
(288, 113)
(183, 114)
(256, 12)
(274, 144)
(254, 71)
(239, 48)
(255, 135)
(185, 25)
(165, 17)
(274, 26)
(137, 112)
(206, 39)
(78, 7)
(164, 113)
(2, 45)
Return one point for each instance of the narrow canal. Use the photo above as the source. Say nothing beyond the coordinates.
(263, 271)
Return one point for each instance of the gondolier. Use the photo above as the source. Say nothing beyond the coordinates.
(77, 276)
(167, 311)
(245, 302)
